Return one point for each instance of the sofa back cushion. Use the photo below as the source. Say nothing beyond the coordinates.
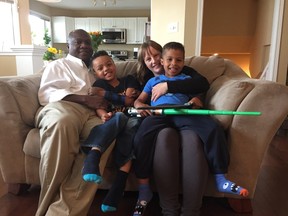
(210, 67)
(25, 92)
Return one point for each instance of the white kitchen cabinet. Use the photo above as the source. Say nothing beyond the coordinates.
(81, 23)
(95, 24)
(131, 26)
(135, 29)
(61, 27)
(89, 24)
(141, 24)
(113, 22)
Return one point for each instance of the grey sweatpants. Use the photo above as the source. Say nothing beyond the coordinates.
(179, 159)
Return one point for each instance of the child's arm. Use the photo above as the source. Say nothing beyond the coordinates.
(141, 102)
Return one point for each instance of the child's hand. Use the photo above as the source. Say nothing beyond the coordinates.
(105, 117)
(132, 94)
(96, 91)
(144, 112)
(196, 103)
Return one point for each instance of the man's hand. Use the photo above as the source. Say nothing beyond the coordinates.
(96, 102)
(159, 90)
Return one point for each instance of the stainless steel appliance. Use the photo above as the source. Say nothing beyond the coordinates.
(114, 36)
(118, 54)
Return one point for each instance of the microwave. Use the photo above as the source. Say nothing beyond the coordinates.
(114, 36)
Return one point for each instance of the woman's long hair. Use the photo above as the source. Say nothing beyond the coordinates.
(144, 49)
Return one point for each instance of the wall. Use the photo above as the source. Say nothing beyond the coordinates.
(23, 9)
(228, 29)
(183, 13)
(8, 65)
(228, 26)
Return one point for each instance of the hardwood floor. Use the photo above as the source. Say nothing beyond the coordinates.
(271, 196)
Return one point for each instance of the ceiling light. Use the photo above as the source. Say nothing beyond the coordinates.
(50, 1)
(113, 2)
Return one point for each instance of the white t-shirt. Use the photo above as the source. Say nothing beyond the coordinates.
(63, 77)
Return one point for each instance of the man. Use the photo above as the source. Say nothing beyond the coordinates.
(66, 118)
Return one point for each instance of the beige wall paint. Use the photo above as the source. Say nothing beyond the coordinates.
(181, 12)
(228, 26)
(8, 65)
(25, 32)
(164, 12)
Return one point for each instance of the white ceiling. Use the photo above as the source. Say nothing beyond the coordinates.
(89, 4)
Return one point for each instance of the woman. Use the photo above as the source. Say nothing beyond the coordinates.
(176, 153)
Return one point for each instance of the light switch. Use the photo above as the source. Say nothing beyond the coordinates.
(173, 27)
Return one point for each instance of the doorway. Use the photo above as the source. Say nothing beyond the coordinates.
(247, 32)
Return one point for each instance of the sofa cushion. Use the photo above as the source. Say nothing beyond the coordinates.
(25, 91)
(125, 68)
(210, 67)
(227, 94)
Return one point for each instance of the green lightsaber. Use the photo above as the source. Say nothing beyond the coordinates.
(203, 112)
(182, 110)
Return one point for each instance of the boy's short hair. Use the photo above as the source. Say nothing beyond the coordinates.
(173, 45)
(98, 54)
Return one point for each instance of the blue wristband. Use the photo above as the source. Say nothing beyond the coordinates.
(114, 98)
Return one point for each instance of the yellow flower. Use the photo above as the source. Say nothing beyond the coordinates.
(52, 50)
(50, 54)
(96, 38)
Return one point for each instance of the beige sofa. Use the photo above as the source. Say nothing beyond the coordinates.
(231, 89)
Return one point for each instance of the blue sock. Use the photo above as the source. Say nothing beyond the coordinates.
(145, 193)
(115, 193)
(90, 171)
(226, 186)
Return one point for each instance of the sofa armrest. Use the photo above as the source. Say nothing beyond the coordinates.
(248, 136)
(18, 105)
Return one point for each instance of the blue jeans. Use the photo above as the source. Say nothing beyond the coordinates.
(102, 136)
(123, 150)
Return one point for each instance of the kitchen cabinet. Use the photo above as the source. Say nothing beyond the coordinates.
(113, 22)
(89, 24)
(135, 29)
(81, 23)
(61, 26)
(141, 24)
(131, 30)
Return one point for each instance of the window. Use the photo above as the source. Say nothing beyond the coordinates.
(38, 24)
(9, 23)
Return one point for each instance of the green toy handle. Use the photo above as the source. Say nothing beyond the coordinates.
(205, 112)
